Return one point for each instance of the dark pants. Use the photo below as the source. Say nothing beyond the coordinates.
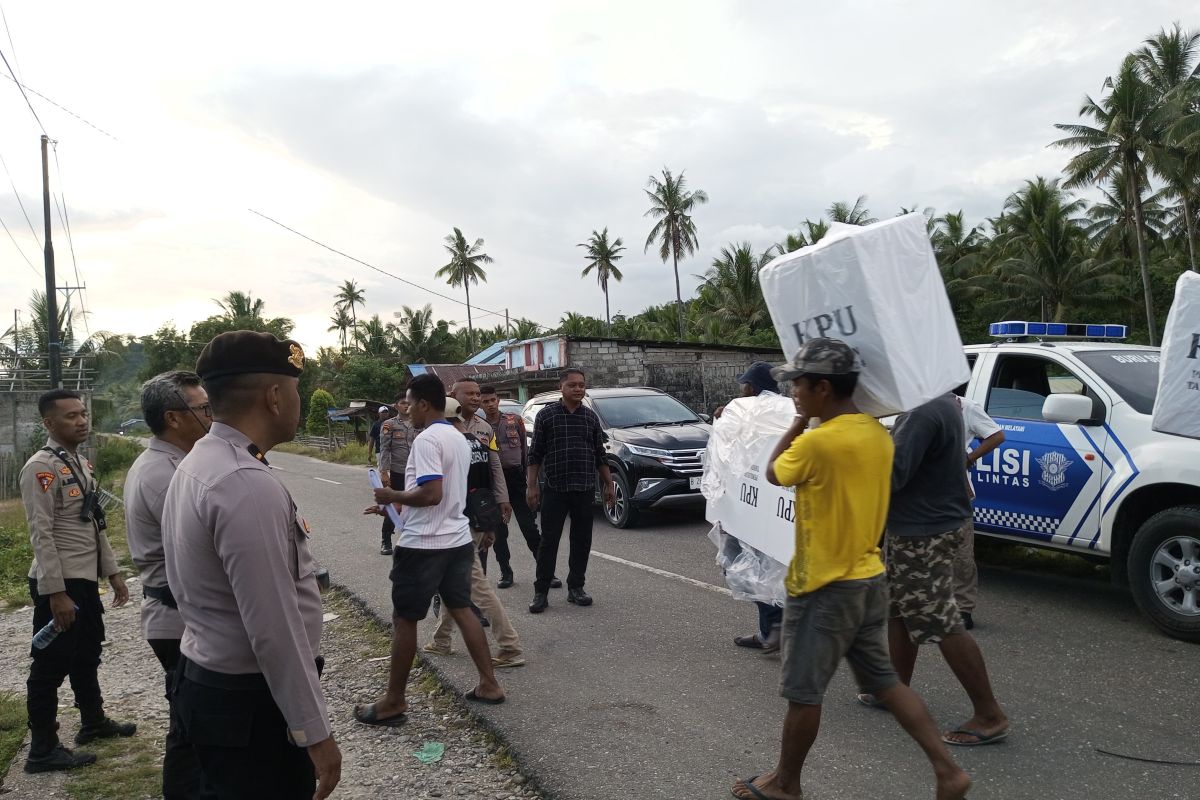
(74, 654)
(768, 617)
(556, 507)
(182, 777)
(514, 477)
(240, 737)
(389, 527)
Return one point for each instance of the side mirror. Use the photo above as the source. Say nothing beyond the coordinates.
(1067, 409)
(706, 418)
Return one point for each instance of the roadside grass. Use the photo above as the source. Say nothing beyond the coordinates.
(125, 768)
(12, 729)
(353, 453)
(1036, 559)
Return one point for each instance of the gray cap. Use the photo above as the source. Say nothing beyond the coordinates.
(820, 357)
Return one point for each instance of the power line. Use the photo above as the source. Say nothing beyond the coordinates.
(19, 250)
(21, 86)
(65, 217)
(21, 203)
(61, 107)
(8, 31)
(383, 271)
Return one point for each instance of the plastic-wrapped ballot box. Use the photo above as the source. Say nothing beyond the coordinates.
(878, 288)
(1177, 406)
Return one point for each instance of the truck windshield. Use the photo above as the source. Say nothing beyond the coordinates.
(1133, 374)
(642, 409)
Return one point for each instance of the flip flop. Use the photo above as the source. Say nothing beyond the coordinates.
(980, 739)
(869, 700)
(369, 715)
(749, 784)
(490, 701)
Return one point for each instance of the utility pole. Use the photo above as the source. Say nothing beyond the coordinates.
(507, 324)
(53, 344)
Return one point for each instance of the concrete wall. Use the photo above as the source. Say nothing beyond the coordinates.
(702, 378)
(19, 421)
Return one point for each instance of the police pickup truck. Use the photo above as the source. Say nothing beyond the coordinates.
(1081, 470)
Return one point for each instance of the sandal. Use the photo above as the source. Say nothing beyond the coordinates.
(369, 715)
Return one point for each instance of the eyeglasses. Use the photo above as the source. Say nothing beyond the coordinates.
(205, 409)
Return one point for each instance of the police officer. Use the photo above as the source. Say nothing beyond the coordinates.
(395, 442)
(176, 409)
(247, 690)
(70, 552)
(514, 460)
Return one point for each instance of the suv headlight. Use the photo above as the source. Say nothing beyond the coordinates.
(649, 452)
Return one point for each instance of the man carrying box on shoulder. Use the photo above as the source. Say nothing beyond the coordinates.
(837, 602)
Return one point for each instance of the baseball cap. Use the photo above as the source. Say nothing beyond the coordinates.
(385, 408)
(820, 356)
(452, 408)
(758, 375)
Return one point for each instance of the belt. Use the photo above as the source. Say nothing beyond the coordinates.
(161, 594)
(244, 682)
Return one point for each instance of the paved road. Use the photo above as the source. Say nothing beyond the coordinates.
(644, 696)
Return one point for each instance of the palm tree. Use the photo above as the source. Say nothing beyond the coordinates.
(343, 323)
(847, 214)
(731, 292)
(573, 324)
(958, 250)
(348, 297)
(671, 205)
(419, 340)
(464, 268)
(809, 234)
(525, 329)
(374, 338)
(1127, 126)
(241, 306)
(1169, 67)
(601, 256)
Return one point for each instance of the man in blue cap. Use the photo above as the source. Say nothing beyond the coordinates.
(757, 380)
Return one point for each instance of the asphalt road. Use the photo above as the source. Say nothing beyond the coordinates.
(643, 695)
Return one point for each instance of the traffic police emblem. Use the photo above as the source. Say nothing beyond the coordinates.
(1054, 470)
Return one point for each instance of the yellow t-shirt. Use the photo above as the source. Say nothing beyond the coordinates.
(842, 472)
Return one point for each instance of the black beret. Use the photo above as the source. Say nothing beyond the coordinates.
(246, 352)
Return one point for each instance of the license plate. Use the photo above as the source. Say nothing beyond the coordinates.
(694, 483)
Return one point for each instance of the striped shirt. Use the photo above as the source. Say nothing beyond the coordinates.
(439, 452)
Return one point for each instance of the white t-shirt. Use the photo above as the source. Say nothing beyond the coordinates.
(976, 421)
(439, 452)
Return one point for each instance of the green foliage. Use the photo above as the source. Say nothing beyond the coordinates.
(116, 454)
(12, 728)
(16, 554)
(317, 420)
(365, 377)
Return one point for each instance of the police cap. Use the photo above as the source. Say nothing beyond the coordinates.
(247, 352)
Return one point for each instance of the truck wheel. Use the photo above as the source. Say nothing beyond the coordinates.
(1164, 571)
(623, 514)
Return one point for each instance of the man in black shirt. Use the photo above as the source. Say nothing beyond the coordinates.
(568, 441)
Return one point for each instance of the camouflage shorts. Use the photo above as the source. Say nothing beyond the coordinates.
(920, 572)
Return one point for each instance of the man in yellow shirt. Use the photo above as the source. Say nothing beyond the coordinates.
(837, 594)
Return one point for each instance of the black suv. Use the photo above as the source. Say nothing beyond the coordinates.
(655, 447)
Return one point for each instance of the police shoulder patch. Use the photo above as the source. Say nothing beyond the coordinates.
(74, 492)
(45, 479)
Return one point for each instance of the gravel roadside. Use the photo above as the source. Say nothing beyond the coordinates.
(377, 763)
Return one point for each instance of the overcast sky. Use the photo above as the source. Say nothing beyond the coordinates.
(376, 127)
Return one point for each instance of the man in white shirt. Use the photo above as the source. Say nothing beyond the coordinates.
(982, 428)
(433, 554)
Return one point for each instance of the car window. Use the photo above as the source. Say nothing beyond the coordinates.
(1021, 384)
(642, 409)
(1133, 374)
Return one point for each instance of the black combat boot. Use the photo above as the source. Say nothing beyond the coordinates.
(46, 754)
(95, 724)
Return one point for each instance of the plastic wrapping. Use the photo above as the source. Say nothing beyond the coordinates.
(1177, 406)
(878, 288)
(749, 574)
(737, 438)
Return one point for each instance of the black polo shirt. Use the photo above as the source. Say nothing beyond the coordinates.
(569, 446)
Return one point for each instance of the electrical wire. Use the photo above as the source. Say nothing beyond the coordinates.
(19, 250)
(20, 202)
(65, 218)
(8, 32)
(21, 86)
(487, 311)
(61, 107)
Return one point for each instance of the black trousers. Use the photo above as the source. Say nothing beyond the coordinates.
(241, 740)
(74, 654)
(182, 777)
(389, 527)
(514, 477)
(556, 507)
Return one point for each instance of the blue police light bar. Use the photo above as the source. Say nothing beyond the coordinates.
(1060, 330)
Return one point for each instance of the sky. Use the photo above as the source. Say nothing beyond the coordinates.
(378, 127)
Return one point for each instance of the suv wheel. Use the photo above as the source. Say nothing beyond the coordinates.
(1164, 571)
(623, 514)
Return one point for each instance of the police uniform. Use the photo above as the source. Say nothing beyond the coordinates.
(247, 689)
(514, 461)
(162, 626)
(69, 555)
(395, 443)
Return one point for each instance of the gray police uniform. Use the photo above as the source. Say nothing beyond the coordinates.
(248, 690)
(396, 436)
(69, 555)
(514, 460)
(162, 626)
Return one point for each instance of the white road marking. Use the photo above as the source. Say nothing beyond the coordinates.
(326, 480)
(663, 573)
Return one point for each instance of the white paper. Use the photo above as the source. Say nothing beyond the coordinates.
(388, 508)
(1177, 405)
(878, 288)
